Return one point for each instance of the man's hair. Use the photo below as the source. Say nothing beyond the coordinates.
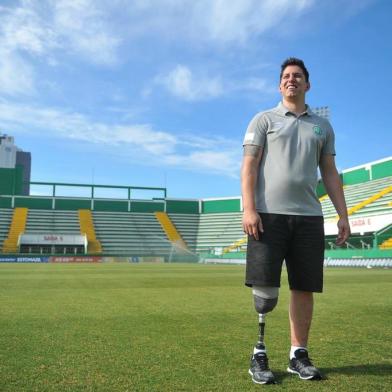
(294, 61)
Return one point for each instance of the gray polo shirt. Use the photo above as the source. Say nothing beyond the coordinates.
(292, 147)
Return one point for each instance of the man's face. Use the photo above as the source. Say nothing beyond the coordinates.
(293, 83)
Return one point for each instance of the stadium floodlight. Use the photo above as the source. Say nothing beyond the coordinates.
(322, 111)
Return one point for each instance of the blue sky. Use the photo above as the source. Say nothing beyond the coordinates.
(160, 92)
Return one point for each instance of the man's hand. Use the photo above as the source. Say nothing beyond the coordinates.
(344, 231)
(251, 223)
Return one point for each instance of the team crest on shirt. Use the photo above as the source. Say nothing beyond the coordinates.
(317, 130)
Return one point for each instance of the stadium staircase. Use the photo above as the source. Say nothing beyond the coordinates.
(384, 237)
(17, 227)
(387, 244)
(170, 230)
(87, 227)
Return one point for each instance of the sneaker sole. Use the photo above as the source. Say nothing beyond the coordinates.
(316, 377)
(260, 382)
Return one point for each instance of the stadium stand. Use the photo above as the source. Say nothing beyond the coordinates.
(372, 198)
(210, 228)
(134, 234)
(363, 199)
(52, 221)
(217, 231)
(53, 224)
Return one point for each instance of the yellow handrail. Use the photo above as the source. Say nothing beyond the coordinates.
(235, 245)
(369, 200)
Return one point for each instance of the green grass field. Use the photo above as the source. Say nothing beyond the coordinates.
(181, 327)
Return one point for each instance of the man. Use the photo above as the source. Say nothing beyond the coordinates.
(283, 147)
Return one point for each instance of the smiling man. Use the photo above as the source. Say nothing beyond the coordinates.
(283, 147)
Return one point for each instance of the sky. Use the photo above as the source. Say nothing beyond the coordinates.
(159, 93)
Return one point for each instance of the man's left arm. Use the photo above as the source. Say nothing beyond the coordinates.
(334, 188)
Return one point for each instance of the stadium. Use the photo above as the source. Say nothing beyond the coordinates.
(123, 254)
(91, 284)
(55, 227)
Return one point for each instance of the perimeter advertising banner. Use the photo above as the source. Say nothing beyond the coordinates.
(75, 259)
(360, 225)
(51, 259)
(24, 259)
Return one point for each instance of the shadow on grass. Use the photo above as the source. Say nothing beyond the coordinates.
(352, 370)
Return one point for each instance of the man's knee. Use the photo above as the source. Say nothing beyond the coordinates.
(265, 298)
(301, 294)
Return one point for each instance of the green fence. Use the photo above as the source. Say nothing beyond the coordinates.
(39, 203)
(221, 205)
(358, 253)
(147, 206)
(381, 170)
(332, 254)
(11, 186)
(182, 206)
(356, 176)
(132, 205)
(111, 205)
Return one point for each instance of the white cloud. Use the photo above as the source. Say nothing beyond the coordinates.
(47, 30)
(225, 162)
(95, 29)
(183, 83)
(84, 28)
(16, 75)
(23, 29)
(252, 84)
(138, 142)
(70, 125)
(213, 22)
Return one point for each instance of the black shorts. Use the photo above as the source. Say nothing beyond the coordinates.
(297, 239)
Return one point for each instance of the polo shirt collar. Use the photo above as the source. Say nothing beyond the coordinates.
(284, 111)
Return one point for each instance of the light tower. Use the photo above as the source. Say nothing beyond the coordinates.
(322, 111)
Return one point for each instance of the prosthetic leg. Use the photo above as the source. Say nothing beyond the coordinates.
(260, 345)
(265, 299)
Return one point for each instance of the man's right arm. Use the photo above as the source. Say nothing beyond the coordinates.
(251, 221)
